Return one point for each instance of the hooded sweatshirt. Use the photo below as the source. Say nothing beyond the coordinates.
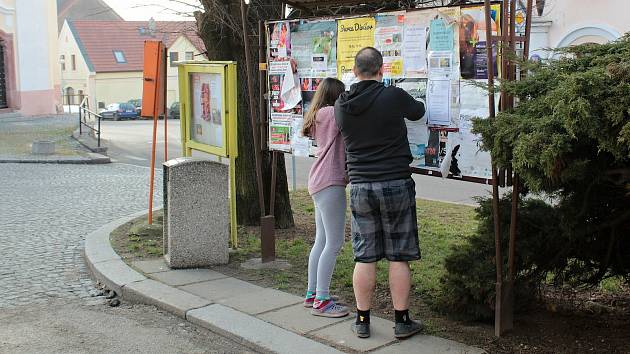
(371, 118)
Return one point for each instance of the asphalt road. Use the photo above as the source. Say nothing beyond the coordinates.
(130, 142)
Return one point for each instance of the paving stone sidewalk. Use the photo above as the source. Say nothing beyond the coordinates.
(266, 318)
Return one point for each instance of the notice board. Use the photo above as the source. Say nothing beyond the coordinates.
(438, 55)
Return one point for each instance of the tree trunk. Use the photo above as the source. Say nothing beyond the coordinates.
(221, 30)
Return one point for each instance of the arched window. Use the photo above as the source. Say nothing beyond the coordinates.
(70, 96)
(589, 34)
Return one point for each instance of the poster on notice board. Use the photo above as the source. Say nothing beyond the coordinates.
(207, 107)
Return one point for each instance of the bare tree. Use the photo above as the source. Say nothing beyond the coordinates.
(220, 28)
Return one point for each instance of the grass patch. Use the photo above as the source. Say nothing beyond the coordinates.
(612, 285)
(18, 141)
(441, 226)
(137, 239)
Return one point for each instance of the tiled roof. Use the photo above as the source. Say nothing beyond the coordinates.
(99, 39)
(85, 10)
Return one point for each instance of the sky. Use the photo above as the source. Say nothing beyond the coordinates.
(161, 10)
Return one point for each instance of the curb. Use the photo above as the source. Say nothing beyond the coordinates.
(91, 159)
(88, 142)
(107, 267)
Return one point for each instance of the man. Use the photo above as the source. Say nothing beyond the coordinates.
(371, 118)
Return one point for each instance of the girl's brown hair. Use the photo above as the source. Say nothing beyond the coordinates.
(327, 93)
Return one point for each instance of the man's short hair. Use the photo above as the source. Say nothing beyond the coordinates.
(368, 62)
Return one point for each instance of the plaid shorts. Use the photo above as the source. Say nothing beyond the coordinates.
(384, 221)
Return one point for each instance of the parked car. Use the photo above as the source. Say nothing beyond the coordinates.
(173, 111)
(117, 111)
(137, 102)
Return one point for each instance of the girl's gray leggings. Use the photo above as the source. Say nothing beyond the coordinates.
(330, 222)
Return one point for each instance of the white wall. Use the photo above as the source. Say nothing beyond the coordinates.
(78, 78)
(570, 22)
(32, 46)
(181, 46)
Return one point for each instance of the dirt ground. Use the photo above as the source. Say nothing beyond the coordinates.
(562, 321)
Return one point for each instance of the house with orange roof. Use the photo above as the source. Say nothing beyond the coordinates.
(103, 59)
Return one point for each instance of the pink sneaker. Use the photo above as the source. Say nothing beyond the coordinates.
(308, 302)
(328, 308)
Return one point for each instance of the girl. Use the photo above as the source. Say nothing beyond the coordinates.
(327, 187)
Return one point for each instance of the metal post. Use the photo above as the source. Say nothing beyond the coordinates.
(98, 133)
(262, 78)
(293, 177)
(268, 239)
(165, 92)
(507, 312)
(272, 193)
(79, 118)
(156, 105)
(516, 180)
(495, 186)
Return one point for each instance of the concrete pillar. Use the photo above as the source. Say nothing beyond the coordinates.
(539, 39)
(196, 213)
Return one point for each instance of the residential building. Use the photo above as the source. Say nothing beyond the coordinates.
(85, 10)
(563, 23)
(104, 59)
(29, 68)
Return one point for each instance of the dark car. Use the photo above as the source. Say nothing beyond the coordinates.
(117, 111)
(173, 111)
(138, 104)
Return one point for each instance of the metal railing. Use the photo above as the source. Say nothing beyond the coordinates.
(90, 120)
(72, 100)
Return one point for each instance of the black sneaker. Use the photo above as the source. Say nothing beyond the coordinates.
(361, 329)
(404, 330)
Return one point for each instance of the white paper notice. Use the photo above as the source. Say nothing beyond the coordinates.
(300, 145)
(439, 102)
(414, 45)
(319, 62)
(290, 94)
(440, 65)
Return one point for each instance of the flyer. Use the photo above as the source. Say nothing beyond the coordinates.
(280, 131)
(441, 65)
(300, 145)
(207, 109)
(353, 35)
(388, 39)
(439, 102)
(279, 40)
(417, 131)
(284, 86)
(472, 41)
(314, 48)
(432, 150)
(442, 35)
(415, 43)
